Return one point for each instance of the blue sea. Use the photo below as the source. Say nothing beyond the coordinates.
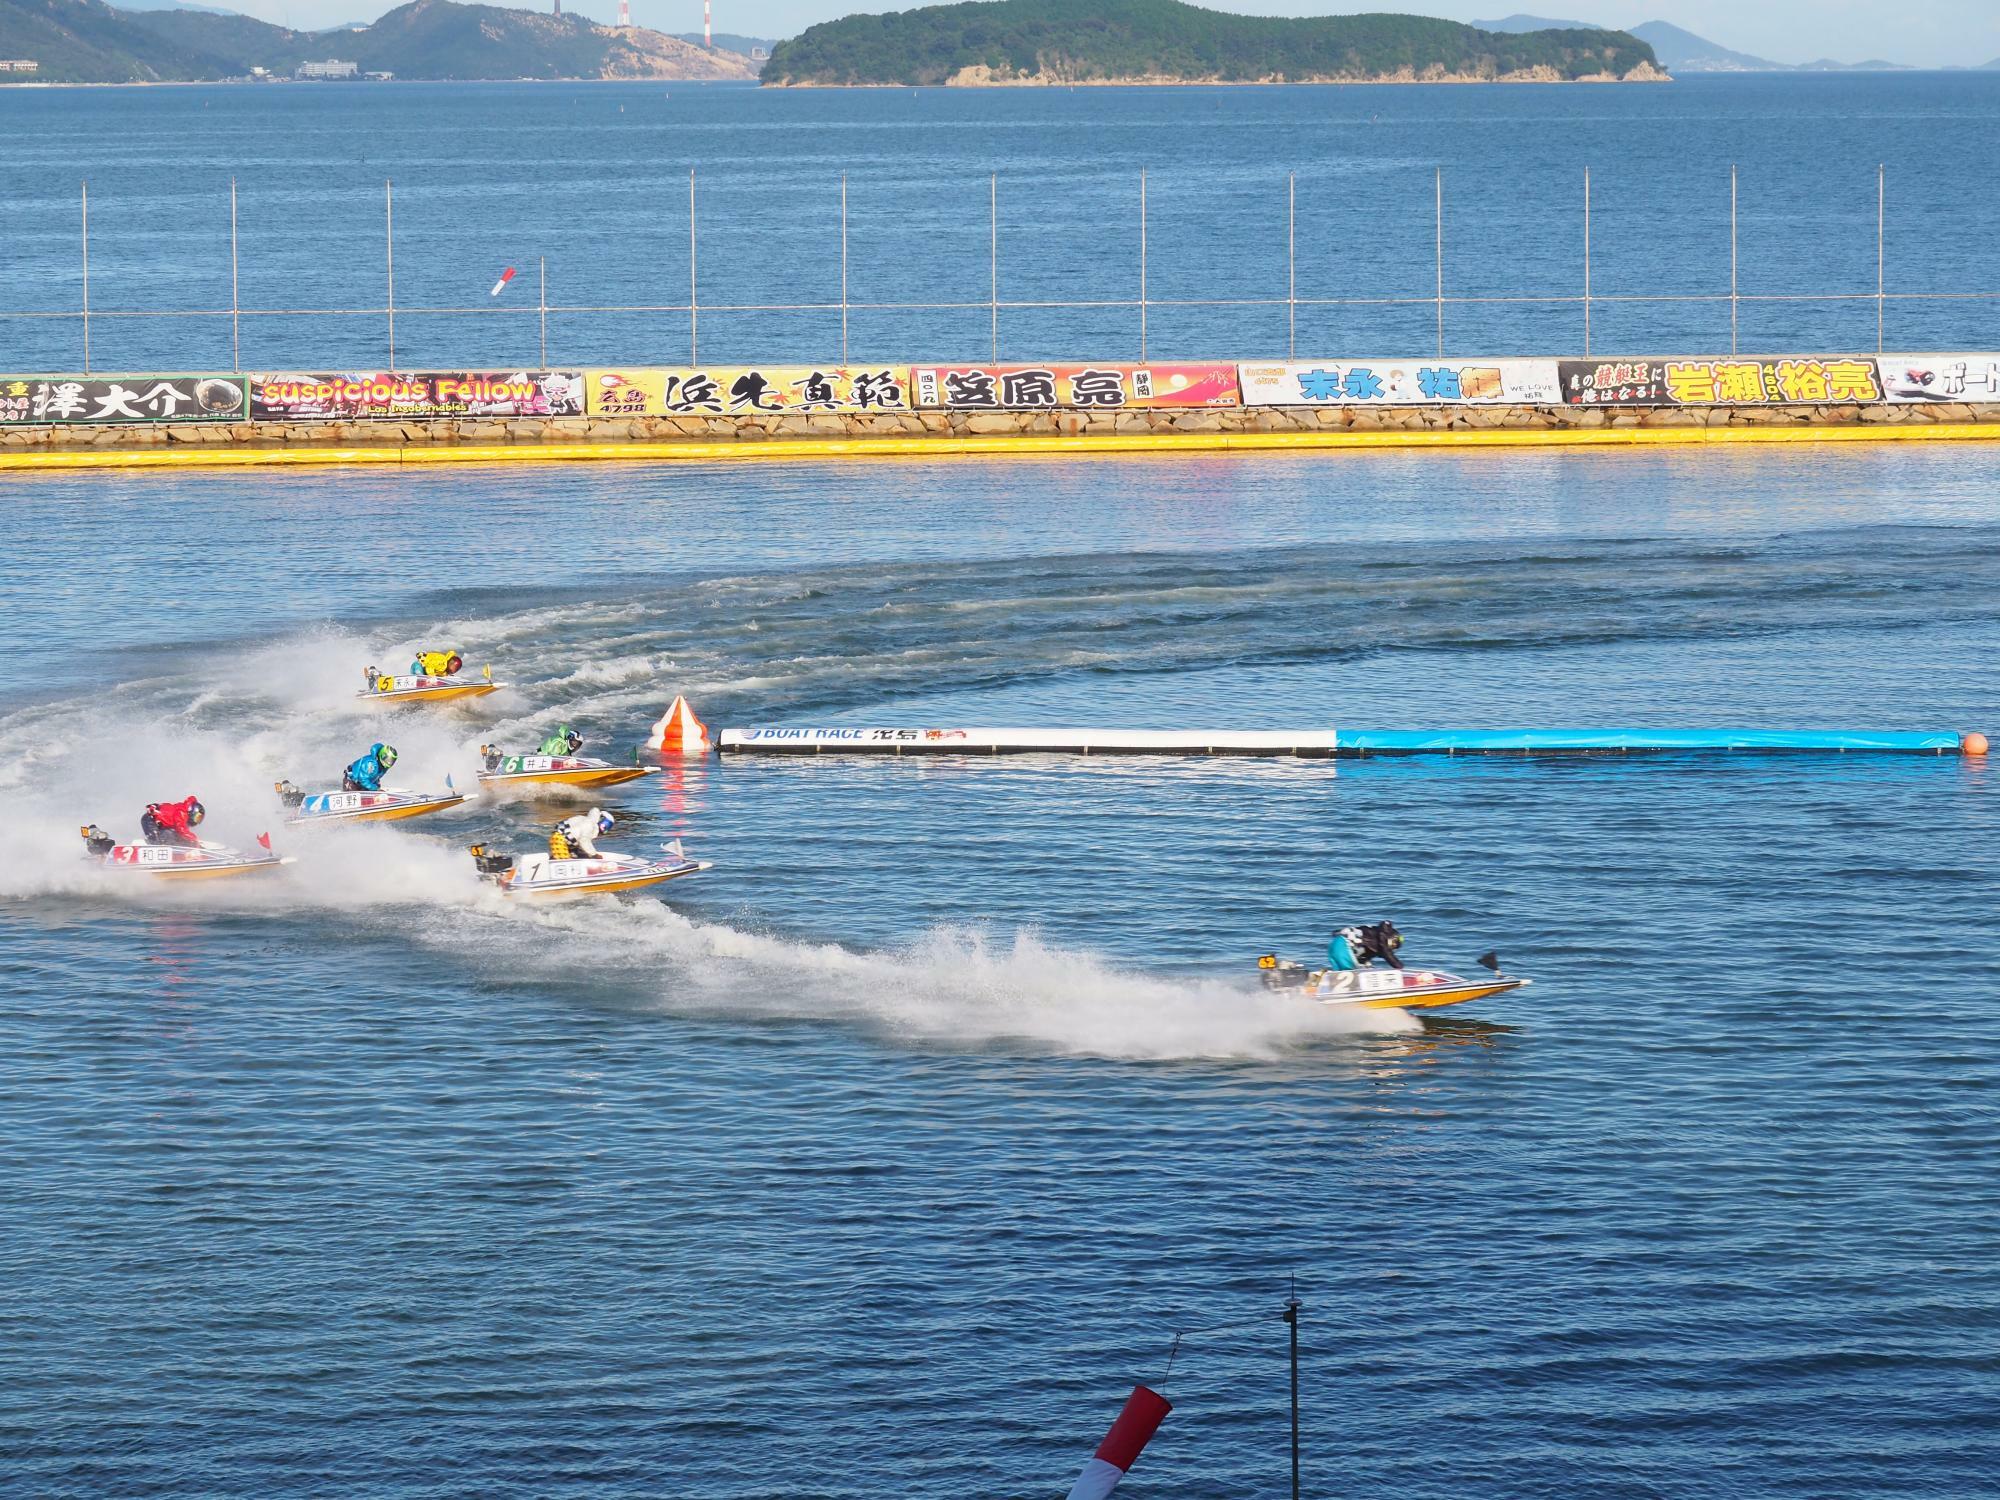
(886, 1156)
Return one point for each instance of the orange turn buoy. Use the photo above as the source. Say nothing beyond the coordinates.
(1972, 742)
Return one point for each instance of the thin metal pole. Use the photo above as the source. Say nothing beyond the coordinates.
(235, 340)
(86, 278)
(1143, 330)
(1292, 1321)
(1440, 260)
(993, 258)
(1732, 258)
(545, 310)
(1586, 262)
(1881, 230)
(843, 268)
(694, 299)
(389, 210)
(1292, 262)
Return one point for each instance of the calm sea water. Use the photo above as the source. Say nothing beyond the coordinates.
(883, 1157)
(593, 180)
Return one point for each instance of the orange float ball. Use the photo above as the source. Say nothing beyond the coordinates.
(1973, 743)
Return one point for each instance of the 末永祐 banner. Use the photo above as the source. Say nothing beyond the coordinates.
(1914, 378)
(745, 390)
(1720, 382)
(127, 398)
(1076, 387)
(1402, 382)
(291, 397)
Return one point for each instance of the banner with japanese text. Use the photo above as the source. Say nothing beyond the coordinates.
(127, 398)
(1074, 387)
(743, 391)
(418, 395)
(1917, 378)
(1720, 382)
(1391, 382)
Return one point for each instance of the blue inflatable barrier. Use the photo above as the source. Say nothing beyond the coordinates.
(1628, 741)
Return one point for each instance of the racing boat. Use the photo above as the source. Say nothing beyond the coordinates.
(537, 875)
(176, 861)
(385, 806)
(1385, 989)
(532, 774)
(384, 687)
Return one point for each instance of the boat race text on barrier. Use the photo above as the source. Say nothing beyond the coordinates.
(1388, 382)
(745, 390)
(421, 395)
(1072, 387)
(1720, 382)
(129, 398)
(806, 390)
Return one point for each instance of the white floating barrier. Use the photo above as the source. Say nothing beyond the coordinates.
(1320, 743)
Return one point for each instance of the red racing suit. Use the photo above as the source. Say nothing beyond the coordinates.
(172, 820)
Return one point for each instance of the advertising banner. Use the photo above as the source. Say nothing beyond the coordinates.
(129, 398)
(1913, 378)
(1718, 382)
(741, 391)
(420, 395)
(1402, 382)
(1075, 387)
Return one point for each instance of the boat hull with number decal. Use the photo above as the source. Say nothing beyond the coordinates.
(542, 775)
(406, 689)
(1383, 989)
(173, 862)
(388, 805)
(538, 877)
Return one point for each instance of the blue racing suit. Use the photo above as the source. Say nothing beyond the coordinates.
(365, 775)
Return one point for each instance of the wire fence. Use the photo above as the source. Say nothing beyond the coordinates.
(1143, 305)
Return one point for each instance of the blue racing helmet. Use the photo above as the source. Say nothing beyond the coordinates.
(605, 822)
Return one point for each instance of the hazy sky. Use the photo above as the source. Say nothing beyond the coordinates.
(1926, 32)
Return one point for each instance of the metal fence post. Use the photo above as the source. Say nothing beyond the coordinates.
(1440, 260)
(1143, 330)
(1732, 257)
(694, 298)
(389, 211)
(1292, 263)
(993, 261)
(235, 331)
(843, 269)
(1881, 231)
(544, 310)
(1586, 262)
(86, 277)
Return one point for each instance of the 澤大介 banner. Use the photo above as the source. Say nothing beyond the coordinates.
(1812, 379)
(417, 395)
(1104, 387)
(1392, 382)
(735, 391)
(67, 399)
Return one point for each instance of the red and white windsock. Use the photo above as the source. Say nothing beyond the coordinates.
(1122, 1444)
(501, 285)
(680, 732)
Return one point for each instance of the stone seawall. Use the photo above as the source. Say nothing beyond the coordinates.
(960, 425)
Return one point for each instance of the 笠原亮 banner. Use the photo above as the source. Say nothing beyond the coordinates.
(1392, 382)
(738, 391)
(1072, 387)
(126, 398)
(1800, 380)
(416, 395)
(1910, 379)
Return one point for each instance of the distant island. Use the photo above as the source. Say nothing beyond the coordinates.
(989, 42)
(87, 41)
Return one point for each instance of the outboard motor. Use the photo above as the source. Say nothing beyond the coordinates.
(288, 794)
(1280, 973)
(97, 841)
(491, 864)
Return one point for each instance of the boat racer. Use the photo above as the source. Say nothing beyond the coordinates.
(366, 774)
(1357, 947)
(173, 823)
(436, 664)
(565, 741)
(575, 838)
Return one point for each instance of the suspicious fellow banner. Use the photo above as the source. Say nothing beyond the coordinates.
(1910, 378)
(129, 398)
(1389, 382)
(1718, 382)
(419, 396)
(742, 391)
(1079, 387)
